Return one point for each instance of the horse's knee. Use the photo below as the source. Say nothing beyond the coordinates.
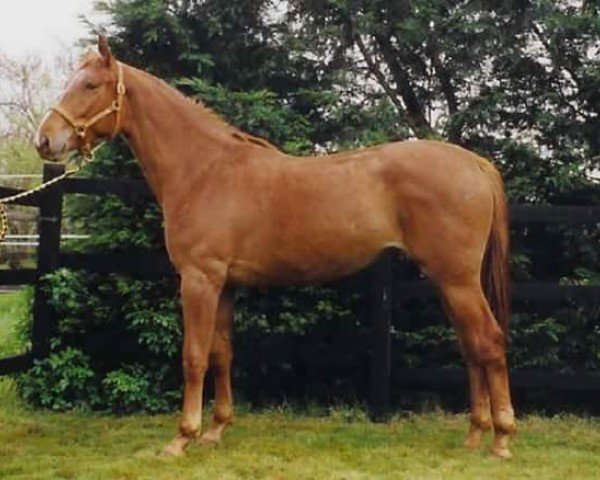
(488, 350)
(221, 355)
(221, 363)
(194, 367)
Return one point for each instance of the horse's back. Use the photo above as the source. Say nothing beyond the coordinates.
(318, 218)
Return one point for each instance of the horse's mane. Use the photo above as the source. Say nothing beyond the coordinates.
(236, 133)
(91, 55)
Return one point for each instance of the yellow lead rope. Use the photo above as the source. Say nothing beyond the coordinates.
(6, 200)
(84, 148)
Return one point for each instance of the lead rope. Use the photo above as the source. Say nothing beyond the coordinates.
(88, 157)
(84, 147)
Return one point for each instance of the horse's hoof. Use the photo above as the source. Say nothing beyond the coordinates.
(213, 435)
(172, 451)
(501, 452)
(473, 440)
(176, 447)
(472, 443)
(210, 439)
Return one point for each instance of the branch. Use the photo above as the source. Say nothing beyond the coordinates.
(446, 86)
(378, 74)
(416, 115)
(558, 65)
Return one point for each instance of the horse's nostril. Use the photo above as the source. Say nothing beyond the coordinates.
(43, 144)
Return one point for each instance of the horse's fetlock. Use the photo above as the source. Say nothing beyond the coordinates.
(482, 422)
(189, 430)
(504, 422)
(223, 415)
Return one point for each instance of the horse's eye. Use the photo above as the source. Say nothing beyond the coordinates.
(91, 86)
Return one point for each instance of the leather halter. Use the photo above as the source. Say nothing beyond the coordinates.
(82, 126)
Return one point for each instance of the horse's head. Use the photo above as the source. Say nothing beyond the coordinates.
(88, 109)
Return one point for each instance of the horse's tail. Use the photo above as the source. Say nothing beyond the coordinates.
(495, 269)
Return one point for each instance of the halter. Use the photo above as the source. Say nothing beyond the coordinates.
(80, 128)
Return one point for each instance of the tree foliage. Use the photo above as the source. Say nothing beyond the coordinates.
(515, 81)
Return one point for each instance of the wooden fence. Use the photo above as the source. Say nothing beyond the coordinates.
(383, 288)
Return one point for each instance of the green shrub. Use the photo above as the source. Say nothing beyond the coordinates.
(300, 84)
(135, 388)
(63, 381)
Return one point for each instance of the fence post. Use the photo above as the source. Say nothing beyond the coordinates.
(48, 251)
(381, 312)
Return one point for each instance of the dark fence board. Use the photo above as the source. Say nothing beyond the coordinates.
(376, 341)
(29, 201)
(521, 291)
(49, 227)
(521, 213)
(381, 316)
(23, 276)
(570, 214)
(104, 186)
(16, 363)
(440, 378)
(144, 264)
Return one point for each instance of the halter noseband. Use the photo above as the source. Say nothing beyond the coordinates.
(81, 127)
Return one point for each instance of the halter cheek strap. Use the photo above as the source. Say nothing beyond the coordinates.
(82, 126)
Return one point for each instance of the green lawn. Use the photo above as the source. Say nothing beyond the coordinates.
(279, 444)
(12, 307)
(283, 445)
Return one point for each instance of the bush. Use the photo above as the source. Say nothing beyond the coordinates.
(63, 381)
(300, 84)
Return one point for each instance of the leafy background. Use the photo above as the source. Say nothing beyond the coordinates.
(516, 81)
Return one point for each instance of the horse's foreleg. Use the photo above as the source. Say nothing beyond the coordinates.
(200, 294)
(482, 342)
(221, 359)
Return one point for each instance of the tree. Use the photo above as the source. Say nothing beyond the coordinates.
(29, 86)
(515, 81)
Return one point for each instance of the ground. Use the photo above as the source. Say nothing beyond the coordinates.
(12, 304)
(280, 444)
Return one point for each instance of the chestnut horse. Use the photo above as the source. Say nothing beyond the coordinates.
(237, 211)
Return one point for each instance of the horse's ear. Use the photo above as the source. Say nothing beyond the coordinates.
(104, 49)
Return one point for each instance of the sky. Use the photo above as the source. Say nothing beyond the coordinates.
(42, 27)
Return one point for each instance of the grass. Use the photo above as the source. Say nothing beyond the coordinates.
(285, 445)
(12, 306)
(280, 444)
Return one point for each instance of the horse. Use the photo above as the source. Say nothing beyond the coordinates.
(239, 212)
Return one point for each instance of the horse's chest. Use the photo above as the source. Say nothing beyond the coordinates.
(193, 228)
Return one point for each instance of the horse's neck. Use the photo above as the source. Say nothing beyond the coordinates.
(170, 136)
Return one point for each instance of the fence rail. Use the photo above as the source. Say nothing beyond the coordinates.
(383, 292)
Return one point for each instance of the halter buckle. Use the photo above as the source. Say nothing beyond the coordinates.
(80, 130)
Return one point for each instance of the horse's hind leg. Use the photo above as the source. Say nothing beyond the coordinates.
(221, 357)
(480, 418)
(483, 346)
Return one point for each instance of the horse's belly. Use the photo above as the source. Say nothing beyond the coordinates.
(310, 259)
